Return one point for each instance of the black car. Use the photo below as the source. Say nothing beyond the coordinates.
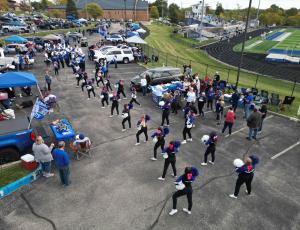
(156, 76)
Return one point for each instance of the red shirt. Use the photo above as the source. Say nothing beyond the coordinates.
(230, 116)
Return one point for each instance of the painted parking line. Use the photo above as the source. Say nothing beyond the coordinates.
(285, 150)
(267, 118)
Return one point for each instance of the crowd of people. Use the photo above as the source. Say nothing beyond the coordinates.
(196, 94)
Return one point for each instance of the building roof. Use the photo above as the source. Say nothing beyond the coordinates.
(116, 4)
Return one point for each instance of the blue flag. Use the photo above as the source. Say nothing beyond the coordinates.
(40, 109)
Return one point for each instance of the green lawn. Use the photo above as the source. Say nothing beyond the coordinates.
(176, 52)
(11, 174)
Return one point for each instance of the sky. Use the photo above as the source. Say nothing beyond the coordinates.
(231, 4)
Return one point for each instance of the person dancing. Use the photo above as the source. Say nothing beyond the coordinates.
(189, 122)
(159, 140)
(126, 116)
(142, 128)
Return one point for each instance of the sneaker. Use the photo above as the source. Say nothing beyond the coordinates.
(77, 86)
(246, 191)
(145, 141)
(173, 211)
(47, 175)
(211, 162)
(233, 196)
(183, 142)
(153, 159)
(190, 139)
(172, 174)
(88, 99)
(187, 211)
(161, 178)
(125, 98)
(111, 116)
(203, 163)
(123, 130)
(103, 107)
(137, 143)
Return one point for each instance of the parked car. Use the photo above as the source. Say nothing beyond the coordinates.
(74, 34)
(115, 38)
(84, 42)
(122, 55)
(160, 75)
(15, 27)
(11, 48)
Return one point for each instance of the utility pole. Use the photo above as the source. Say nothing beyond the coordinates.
(202, 16)
(243, 45)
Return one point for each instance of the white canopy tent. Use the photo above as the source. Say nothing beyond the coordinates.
(136, 40)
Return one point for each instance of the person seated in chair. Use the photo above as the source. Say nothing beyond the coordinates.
(81, 144)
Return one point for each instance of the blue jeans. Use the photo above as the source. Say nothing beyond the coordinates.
(247, 110)
(252, 133)
(64, 174)
(46, 167)
(144, 90)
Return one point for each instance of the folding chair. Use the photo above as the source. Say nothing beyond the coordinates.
(275, 101)
(288, 101)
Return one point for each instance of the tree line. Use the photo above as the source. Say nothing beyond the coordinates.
(273, 15)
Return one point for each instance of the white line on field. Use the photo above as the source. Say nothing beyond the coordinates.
(285, 150)
(267, 118)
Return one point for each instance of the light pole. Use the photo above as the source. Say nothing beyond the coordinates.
(125, 19)
(243, 45)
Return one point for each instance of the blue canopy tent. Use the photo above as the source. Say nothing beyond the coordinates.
(17, 79)
(15, 39)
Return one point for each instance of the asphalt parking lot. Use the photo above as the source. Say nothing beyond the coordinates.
(118, 188)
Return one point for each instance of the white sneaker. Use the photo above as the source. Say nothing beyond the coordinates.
(203, 163)
(233, 196)
(111, 116)
(161, 178)
(103, 107)
(172, 174)
(145, 141)
(183, 142)
(47, 175)
(190, 139)
(211, 162)
(137, 143)
(153, 159)
(123, 130)
(88, 98)
(173, 211)
(246, 191)
(187, 211)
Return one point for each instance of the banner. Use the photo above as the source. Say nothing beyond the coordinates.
(40, 109)
(102, 31)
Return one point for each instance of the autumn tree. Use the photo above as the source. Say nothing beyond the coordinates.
(154, 12)
(94, 10)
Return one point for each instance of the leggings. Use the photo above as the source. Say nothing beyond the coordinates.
(189, 194)
(166, 166)
(142, 130)
(121, 91)
(115, 105)
(165, 116)
(126, 119)
(160, 143)
(243, 178)
(83, 85)
(135, 101)
(99, 80)
(210, 104)
(89, 92)
(186, 131)
(104, 99)
(210, 150)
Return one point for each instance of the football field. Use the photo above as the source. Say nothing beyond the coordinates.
(283, 41)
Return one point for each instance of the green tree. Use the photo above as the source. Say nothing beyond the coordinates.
(174, 13)
(270, 18)
(154, 12)
(291, 12)
(162, 7)
(71, 9)
(36, 6)
(94, 10)
(3, 5)
(219, 9)
(44, 4)
(57, 14)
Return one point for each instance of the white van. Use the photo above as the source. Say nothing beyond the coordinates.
(123, 55)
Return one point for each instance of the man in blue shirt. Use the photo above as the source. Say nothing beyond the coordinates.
(62, 162)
